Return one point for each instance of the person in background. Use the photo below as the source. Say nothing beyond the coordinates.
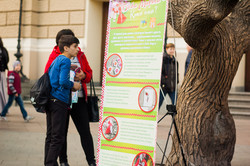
(188, 59)
(4, 60)
(59, 103)
(78, 111)
(169, 74)
(14, 91)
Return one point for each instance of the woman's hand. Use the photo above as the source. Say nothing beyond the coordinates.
(80, 76)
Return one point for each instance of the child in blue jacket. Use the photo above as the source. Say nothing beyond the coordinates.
(56, 112)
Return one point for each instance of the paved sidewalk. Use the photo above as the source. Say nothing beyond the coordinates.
(22, 143)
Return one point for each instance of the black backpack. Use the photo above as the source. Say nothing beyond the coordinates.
(40, 93)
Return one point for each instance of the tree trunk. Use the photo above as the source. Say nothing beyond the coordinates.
(206, 127)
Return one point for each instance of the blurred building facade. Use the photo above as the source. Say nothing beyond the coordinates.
(42, 19)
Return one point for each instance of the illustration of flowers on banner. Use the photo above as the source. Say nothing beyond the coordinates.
(114, 65)
(110, 128)
(147, 99)
(143, 159)
(118, 10)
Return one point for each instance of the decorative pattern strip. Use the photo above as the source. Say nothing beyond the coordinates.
(128, 148)
(132, 82)
(161, 23)
(131, 114)
(130, 27)
(102, 93)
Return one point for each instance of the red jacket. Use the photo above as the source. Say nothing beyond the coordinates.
(83, 62)
(14, 83)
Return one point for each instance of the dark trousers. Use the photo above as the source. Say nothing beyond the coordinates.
(171, 95)
(80, 118)
(56, 115)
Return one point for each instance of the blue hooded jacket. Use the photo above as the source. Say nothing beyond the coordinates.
(59, 74)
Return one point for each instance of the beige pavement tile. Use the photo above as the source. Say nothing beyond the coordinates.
(14, 162)
(35, 162)
(3, 125)
(23, 143)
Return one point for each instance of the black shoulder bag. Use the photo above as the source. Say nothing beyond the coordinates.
(92, 104)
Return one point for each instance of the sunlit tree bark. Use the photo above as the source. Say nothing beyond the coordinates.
(218, 30)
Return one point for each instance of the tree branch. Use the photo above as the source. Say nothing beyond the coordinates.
(198, 23)
(176, 12)
(238, 23)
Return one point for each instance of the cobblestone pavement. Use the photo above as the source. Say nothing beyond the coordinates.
(22, 143)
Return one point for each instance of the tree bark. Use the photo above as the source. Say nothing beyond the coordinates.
(218, 30)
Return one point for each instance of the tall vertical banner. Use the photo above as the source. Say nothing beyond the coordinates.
(131, 82)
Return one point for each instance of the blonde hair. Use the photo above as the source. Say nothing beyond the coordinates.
(170, 45)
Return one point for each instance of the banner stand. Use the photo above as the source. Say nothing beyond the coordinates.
(131, 82)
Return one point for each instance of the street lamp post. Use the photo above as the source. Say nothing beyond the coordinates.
(18, 55)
